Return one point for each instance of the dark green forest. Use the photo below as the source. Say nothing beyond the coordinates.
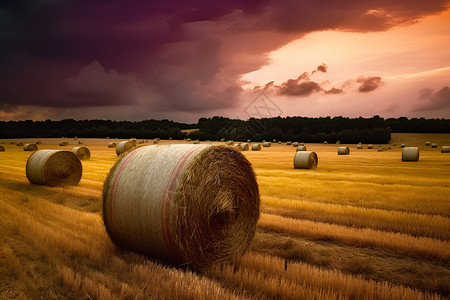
(346, 130)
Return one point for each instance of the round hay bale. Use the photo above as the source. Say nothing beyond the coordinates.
(249, 141)
(82, 152)
(2, 149)
(369, 146)
(427, 143)
(54, 168)
(402, 146)
(267, 144)
(380, 149)
(256, 147)
(112, 145)
(243, 146)
(445, 149)
(288, 143)
(279, 142)
(19, 144)
(301, 148)
(410, 154)
(196, 142)
(124, 146)
(30, 147)
(434, 145)
(193, 205)
(302, 144)
(63, 143)
(222, 140)
(295, 144)
(188, 139)
(325, 142)
(359, 146)
(338, 142)
(155, 141)
(305, 160)
(343, 151)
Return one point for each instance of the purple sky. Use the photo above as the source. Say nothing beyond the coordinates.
(181, 60)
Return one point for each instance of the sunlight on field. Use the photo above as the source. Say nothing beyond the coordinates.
(362, 226)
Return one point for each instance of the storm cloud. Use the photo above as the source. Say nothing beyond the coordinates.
(168, 55)
(430, 100)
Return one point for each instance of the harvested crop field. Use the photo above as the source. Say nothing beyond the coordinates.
(359, 226)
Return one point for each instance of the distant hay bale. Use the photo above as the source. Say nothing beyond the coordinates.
(256, 147)
(394, 144)
(188, 139)
(325, 142)
(63, 143)
(359, 146)
(279, 142)
(295, 144)
(19, 144)
(305, 160)
(196, 142)
(369, 146)
(302, 144)
(288, 143)
(243, 146)
(402, 146)
(54, 168)
(301, 148)
(274, 140)
(445, 149)
(249, 141)
(338, 142)
(267, 144)
(427, 143)
(30, 147)
(222, 140)
(380, 149)
(229, 143)
(155, 141)
(410, 154)
(194, 205)
(124, 146)
(112, 145)
(82, 153)
(434, 145)
(2, 149)
(343, 151)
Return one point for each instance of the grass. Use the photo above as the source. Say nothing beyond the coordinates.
(363, 226)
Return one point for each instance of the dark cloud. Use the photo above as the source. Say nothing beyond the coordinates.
(430, 100)
(293, 87)
(321, 68)
(369, 84)
(168, 55)
(334, 91)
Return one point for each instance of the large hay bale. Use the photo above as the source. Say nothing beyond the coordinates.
(305, 160)
(256, 147)
(445, 149)
(82, 152)
(30, 147)
(112, 145)
(243, 146)
(124, 146)
(433, 145)
(410, 154)
(19, 144)
(301, 148)
(343, 151)
(267, 144)
(54, 168)
(2, 149)
(192, 205)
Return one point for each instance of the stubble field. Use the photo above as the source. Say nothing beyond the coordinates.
(362, 226)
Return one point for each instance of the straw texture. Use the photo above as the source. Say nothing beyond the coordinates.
(30, 147)
(82, 152)
(343, 151)
(184, 204)
(54, 168)
(256, 147)
(410, 154)
(305, 160)
(125, 146)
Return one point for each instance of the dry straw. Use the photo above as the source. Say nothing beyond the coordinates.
(445, 149)
(256, 147)
(192, 205)
(82, 152)
(2, 149)
(125, 146)
(267, 144)
(112, 145)
(410, 154)
(343, 151)
(305, 160)
(30, 147)
(54, 168)
(301, 148)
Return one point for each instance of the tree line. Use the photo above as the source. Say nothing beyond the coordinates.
(345, 130)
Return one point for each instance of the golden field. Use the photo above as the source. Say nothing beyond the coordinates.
(361, 226)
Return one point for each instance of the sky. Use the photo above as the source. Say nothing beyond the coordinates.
(182, 60)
